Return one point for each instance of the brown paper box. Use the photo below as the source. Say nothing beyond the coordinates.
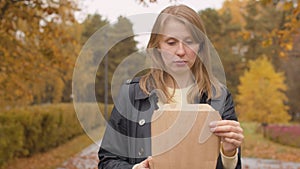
(181, 138)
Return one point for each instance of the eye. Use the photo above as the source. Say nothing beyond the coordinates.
(189, 41)
(171, 42)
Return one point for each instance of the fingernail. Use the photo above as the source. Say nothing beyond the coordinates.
(213, 124)
(212, 129)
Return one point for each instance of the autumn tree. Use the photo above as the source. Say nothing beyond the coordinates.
(291, 67)
(272, 37)
(90, 25)
(288, 29)
(122, 32)
(258, 32)
(225, 38)
(102, 40)
(90, 54)
(261, 95)
(37, 50)
(237, 9)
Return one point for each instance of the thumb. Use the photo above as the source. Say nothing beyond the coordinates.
(146, 163)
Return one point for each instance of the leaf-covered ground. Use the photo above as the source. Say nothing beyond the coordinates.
(52, 158)
(255, 145)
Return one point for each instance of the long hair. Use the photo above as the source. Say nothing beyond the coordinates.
(205, 82)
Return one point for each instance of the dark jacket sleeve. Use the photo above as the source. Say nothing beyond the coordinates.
(113, 153)
(113, 150)
(229, 114)
(112, 161)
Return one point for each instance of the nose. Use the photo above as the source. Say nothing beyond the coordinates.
(180, 51)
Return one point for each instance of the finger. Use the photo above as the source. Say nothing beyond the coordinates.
(230, 135)
(234, 142)
(151, 165)
(146, 163)
(224, 123)
(226, 128)
(142, 167)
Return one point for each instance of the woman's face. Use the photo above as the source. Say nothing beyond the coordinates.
(178, 48)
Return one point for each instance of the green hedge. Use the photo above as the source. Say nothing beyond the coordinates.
(26, 131)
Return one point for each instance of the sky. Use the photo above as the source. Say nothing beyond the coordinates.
(112, 9)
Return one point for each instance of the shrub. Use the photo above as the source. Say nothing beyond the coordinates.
(283, 134)
(25, 131)
(11, 138)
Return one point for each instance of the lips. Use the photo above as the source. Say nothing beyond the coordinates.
(180, 62)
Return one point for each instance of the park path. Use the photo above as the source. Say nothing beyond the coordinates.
(88, 159)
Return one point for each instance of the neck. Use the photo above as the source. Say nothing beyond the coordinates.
(180, 81)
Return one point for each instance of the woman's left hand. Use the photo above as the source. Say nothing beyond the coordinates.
(231, 135)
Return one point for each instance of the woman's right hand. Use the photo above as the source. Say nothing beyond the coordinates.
(143, 165)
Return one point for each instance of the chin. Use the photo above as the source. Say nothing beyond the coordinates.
(181, 71)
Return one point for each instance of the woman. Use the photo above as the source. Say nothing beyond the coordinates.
(182, 74)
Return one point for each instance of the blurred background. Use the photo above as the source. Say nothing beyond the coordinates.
(40, 40)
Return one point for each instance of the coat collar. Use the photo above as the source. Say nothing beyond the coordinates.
(138, 93)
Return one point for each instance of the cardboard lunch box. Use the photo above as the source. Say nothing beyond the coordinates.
(181, 137)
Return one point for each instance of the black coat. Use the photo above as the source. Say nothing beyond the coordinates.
(126, 141)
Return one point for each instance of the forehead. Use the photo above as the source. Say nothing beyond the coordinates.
(175, 28)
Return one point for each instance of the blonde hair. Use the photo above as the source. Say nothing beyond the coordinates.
(202, 72)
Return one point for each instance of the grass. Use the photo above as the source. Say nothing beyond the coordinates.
(255, 145)
(53, 158)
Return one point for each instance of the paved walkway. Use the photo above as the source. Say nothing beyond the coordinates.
(253, 163)
(88, 159)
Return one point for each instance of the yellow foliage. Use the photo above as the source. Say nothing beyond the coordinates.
(288, 6)
(267, 42)
(261, 95)
(284, 34)
(237, 9)
(246, 35)
(282, 54)
(289, 46)
(58, 90)
(32, 61)
(2, 77)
